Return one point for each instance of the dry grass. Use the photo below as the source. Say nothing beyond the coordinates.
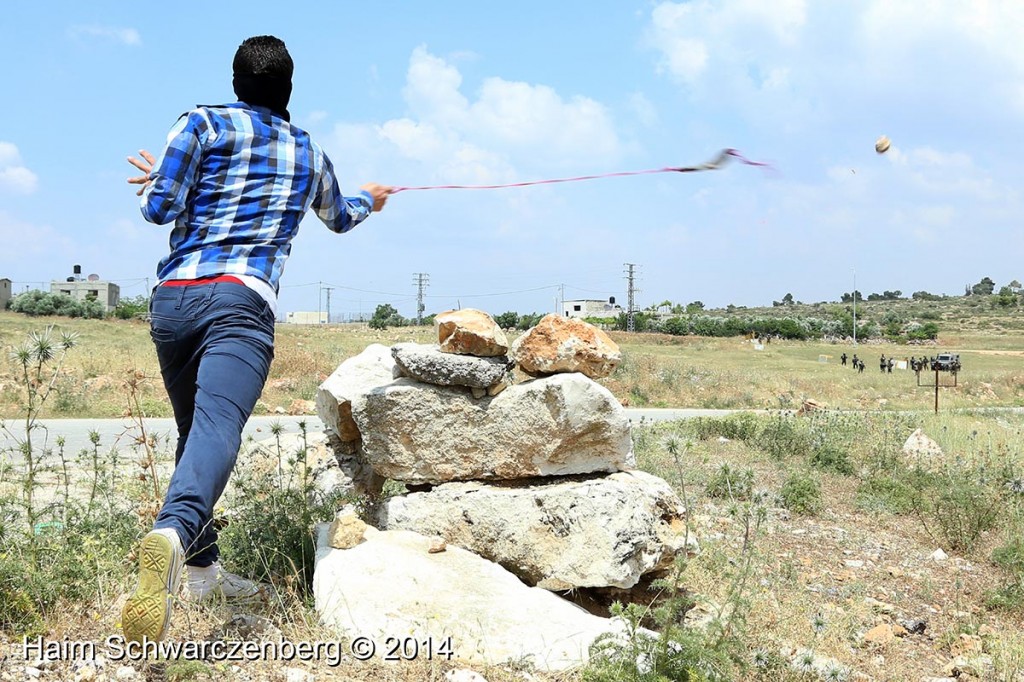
(808, 596)
(657, 370)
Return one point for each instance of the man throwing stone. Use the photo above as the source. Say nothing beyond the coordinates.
(235, 179)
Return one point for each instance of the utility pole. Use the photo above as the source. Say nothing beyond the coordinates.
(855, 307)
(631, 296)
(328, 290)
(421, 279)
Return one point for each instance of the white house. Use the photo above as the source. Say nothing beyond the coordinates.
(588, 307)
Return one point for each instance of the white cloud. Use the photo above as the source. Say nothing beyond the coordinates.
(14, 176)
(507, 129)
(692, 35)
(125, 36)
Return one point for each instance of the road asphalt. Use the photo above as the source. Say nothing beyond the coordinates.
(121, 433)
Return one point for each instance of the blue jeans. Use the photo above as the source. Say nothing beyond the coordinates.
(215, 343)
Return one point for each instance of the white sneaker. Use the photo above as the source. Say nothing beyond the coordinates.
(213, 582)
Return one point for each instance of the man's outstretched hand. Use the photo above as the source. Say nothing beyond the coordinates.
(146, 166)
(379, 193)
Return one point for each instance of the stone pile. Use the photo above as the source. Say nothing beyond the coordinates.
(537, 476)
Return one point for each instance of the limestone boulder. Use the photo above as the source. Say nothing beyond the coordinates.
(566, 344)
(554, 426)
(602, 531)
(428, 364)
(348, 384)
(390, 585)
(923, 451)
(470, 332)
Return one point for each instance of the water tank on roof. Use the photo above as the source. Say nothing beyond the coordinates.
(94, 278)
(611, 300)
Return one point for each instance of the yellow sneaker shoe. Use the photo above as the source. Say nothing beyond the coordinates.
(147, 613)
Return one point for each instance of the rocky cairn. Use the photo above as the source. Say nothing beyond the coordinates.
(530, 483)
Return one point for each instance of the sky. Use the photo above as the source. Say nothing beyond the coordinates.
(412, 93)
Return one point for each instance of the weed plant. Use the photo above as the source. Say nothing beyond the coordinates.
(63, 550)
(274, 511)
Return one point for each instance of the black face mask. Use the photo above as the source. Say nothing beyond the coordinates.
(272, 92)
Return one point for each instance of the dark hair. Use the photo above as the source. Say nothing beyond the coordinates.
(263, 73)
(263, 56)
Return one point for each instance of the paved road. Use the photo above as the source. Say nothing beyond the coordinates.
(120, 433)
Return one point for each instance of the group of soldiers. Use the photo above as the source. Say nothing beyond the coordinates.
(857, 363)
(886, 364)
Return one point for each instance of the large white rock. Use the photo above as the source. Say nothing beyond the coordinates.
(428, 364)
(349, 383)
(923, 451)
(558, 425)
(391, 586)
(604, 531)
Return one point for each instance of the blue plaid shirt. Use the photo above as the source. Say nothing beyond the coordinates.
(236, 180)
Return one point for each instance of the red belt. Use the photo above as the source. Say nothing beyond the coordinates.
(201, 280)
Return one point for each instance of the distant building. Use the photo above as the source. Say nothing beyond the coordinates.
(91, 288)
(591, 308)
(5, 293)
(306, 318)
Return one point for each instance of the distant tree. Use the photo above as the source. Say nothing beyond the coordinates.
(924, 296)
(677, 326)
(132, 307)
(929, 331)
(849, 298)
(1015, 286)
(42, 303)
(642, 321)
(1006, 297)
(694, 307)
(983, 288)
(386, 316)
(528, 320)
(875, 297)
(892, 295)
(507, 320)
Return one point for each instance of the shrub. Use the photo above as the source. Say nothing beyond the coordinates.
(1010, 558)
(962, 510)
(740, 426)
(784, 435)
(271, 534)
(801, 493)
(39, 303)
(730, 484)
(507, 320)
(129, 308)
(386, 316)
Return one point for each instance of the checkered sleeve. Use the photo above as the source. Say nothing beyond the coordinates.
(339, 213)
(176, 170)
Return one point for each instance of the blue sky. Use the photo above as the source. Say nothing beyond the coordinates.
(411, 93)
